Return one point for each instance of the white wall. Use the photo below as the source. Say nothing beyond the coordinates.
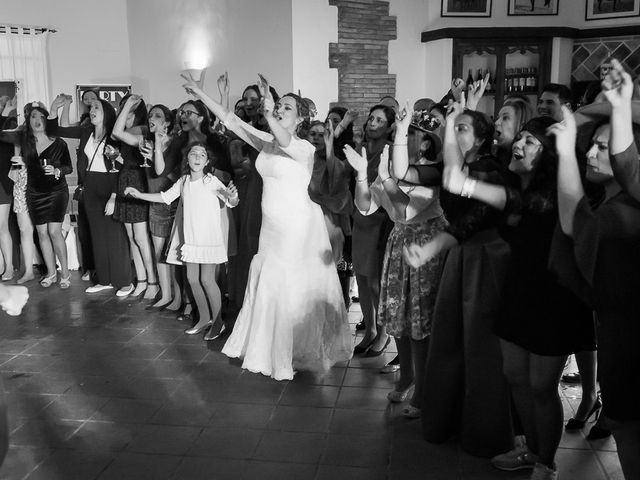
(91, 44)
(314, 25)
(242, 37)
(408, 57)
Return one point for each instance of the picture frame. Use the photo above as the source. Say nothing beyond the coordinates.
(112, 93)
(539, 7)
(603, 9)
(466, 8)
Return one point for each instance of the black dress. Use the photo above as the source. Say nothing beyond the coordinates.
(465, 384)
(538, 313)
(606, 249)
(48, 198)
(129, 209)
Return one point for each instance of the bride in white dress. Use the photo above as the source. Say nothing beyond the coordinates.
(293, 316)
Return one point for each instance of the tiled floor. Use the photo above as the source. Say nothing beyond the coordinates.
(98, 388)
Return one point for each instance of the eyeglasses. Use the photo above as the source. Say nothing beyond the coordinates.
(187, 113)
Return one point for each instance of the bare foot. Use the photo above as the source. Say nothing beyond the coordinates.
(8, 274)
(27, 277)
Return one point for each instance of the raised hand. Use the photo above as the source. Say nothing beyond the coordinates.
(268, 104)
(58, 102)
(328, 137)
(350, 116)
(617, 85)
(565, 133)
(383, 166)
(457, 88)
(223, 84)
(191, 86)
(475, 91)
(133, 101)
(357, 161)
(455, 109)
(404, 118)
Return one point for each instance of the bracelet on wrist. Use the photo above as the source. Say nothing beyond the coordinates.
(468, 187)
(399, 144)
(359, 180)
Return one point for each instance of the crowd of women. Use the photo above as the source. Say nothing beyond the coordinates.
(488, 250)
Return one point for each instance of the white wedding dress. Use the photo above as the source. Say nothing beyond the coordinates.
(293, 316)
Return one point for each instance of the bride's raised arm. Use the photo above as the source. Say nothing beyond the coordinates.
(246, 132)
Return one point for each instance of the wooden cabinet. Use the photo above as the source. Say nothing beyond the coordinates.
(518, 66)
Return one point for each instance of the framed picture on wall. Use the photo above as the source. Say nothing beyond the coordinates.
(600, 9)
(112, 93)
(533, 7)
(465, 8)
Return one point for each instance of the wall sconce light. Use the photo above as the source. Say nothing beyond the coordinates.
(195, 74)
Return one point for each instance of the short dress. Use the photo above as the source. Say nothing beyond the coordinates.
(48, 197)
(129, 209)
(408, 295)
(161, 216)
(198, 235)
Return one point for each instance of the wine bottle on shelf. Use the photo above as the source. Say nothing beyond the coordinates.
(529, 82)
(470, 78)
(534, 79)
(489, 83)
(516, 80)
(508, 81)
(479, 74)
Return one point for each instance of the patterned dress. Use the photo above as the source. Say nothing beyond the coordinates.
(407, 295)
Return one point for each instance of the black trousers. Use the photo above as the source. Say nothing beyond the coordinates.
(111, 253)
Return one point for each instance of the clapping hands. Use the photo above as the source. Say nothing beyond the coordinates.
(357, 161)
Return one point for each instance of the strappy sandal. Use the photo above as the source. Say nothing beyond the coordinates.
(65, 282)
(46, 282)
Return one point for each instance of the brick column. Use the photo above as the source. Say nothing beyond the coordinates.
(362, 53)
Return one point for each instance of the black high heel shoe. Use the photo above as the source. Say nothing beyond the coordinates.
(376, 353)
(185, 317)
(575, 424)
(360, 348)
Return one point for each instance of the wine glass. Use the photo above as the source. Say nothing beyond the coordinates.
(146, 147)
(111, 153)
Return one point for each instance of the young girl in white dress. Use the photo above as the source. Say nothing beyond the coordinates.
(293, 315)
(199, 240)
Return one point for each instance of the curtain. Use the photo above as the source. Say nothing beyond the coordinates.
(23, 59)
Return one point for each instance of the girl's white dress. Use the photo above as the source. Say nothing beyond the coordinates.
(293, 315)
(198, 233)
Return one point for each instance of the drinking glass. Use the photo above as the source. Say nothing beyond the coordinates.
(111, 153)
(146, 147)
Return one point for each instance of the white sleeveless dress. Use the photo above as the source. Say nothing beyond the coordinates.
(293, 316)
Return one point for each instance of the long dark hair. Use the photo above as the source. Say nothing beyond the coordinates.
(482, 129)
(28, 138)
(541, 194)
(139, 114)
(390, 115)
(169, 117)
